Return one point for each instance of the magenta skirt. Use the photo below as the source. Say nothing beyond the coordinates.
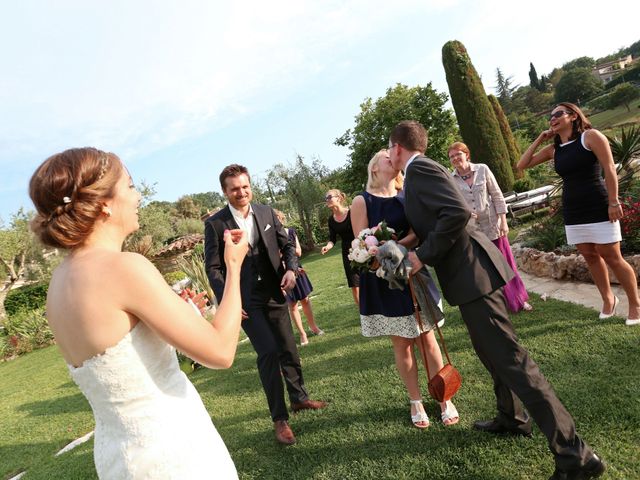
(514, 292)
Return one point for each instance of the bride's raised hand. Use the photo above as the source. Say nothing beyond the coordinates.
(236, 246)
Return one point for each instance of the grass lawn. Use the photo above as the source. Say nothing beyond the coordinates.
(619, 116)
(365, 433)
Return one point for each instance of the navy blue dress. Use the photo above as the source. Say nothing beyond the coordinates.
(303, 286)
(384, 311)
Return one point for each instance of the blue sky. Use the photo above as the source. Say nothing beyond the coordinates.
(180, 89)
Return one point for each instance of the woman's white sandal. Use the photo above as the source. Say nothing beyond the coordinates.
(450, 414)
(420, 419)
(604, 316)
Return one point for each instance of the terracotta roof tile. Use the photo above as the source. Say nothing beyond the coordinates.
(182, 244)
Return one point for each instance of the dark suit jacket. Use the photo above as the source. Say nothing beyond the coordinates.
(271, 233)
(467, 263)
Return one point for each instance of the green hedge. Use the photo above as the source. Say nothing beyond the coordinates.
(24, 332)
(174, 277)
(27, 298)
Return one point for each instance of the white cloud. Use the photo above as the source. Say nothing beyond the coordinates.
(137, 77)
(144, 75)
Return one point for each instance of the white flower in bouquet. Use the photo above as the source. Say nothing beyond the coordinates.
(365, 246)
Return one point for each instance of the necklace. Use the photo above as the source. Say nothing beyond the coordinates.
(340, 216)
(466, 176)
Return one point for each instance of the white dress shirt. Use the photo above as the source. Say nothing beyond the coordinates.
(406, 165)
(247, 224)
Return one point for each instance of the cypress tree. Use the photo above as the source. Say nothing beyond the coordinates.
(507, 135)
(543, 84)
(478, 124)
(533, 77)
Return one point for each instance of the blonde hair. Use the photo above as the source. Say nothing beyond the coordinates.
(372, 176)
(281, 216)
(342, 198)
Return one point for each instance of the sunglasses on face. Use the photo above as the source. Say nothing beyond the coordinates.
(329, 197)
(558, 114)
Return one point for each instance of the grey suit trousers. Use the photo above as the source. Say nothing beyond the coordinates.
(517, 380)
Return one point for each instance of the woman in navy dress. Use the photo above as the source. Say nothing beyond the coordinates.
(301, 290)
(384, 311)
(590, 206)
(340, 225)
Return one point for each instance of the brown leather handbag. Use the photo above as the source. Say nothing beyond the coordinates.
(446, 382)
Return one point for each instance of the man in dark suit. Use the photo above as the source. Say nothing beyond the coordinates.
(263, 277)
(471, 271)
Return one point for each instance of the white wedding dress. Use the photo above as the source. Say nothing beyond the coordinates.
(150, 420)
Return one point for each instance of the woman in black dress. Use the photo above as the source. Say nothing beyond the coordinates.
(590, 205)
(340, 224)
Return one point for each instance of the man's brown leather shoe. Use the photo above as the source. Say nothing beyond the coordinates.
(284, 434)
(308, 405)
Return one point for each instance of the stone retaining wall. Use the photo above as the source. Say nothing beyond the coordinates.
(560, 267)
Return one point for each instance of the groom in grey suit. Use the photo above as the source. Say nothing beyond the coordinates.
(269, 268)
(471, 271)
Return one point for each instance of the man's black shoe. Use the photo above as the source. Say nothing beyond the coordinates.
(493, 426)
(592, 469)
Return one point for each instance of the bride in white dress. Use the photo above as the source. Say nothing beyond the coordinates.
(116, 322)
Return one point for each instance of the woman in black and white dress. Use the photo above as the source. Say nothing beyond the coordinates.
(590, 206)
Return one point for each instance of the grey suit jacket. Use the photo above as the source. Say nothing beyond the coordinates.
(272, 234)
(467, 263)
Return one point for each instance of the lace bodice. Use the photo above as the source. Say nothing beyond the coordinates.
(150, 420)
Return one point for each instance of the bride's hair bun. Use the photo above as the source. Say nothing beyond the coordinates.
(68, 191)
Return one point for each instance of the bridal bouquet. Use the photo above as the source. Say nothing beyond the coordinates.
(365, 246)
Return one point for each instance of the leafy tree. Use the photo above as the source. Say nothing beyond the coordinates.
(264, 193)
(623, 94)
(376, 119)
(538, 101)
(580, 62)
(156, 222)
(207, 201)
(507, 135)
(634, 49)
(18, 248)
(577, 85)
(554, 77)
(147, 191)
(544, 84)
(339, 178)
(622, 52)
(534, 82)
(187, 208)
(478, 124)
(304, 189)
(505, 90)
(186, 226)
